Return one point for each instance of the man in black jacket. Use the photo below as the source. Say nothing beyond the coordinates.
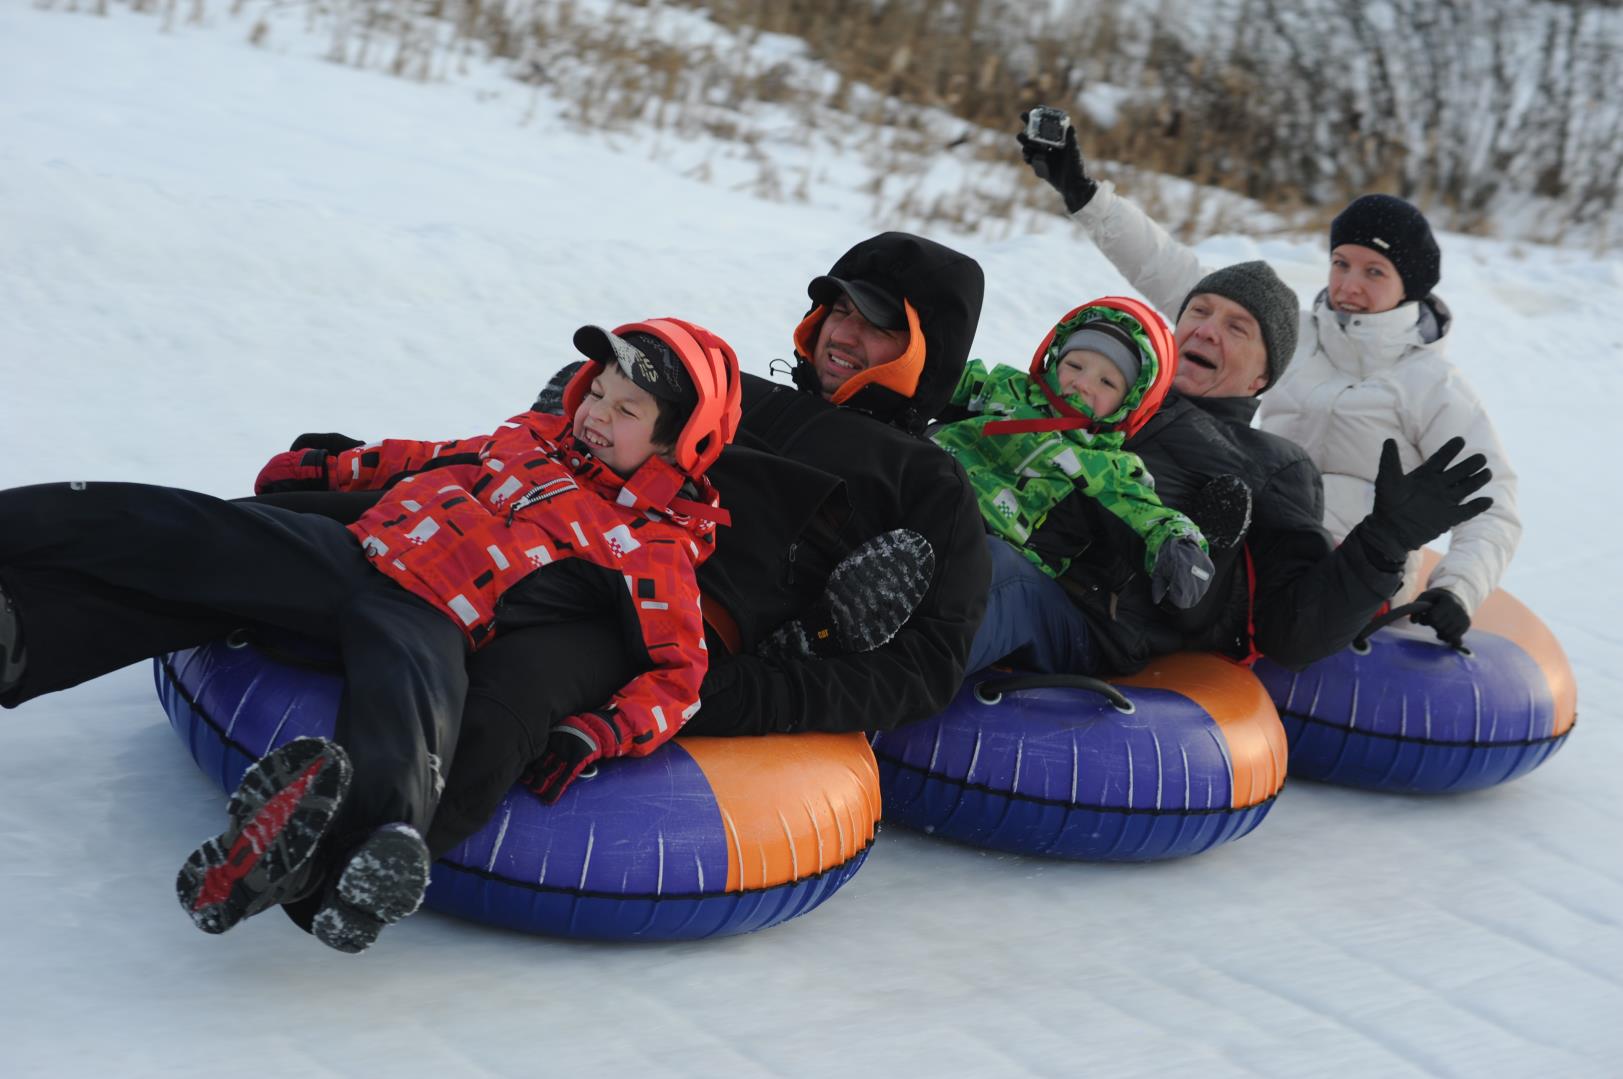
(877, 356)
(1287, 591)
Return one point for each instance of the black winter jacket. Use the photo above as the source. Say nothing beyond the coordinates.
(1309, 598)
(891, 479)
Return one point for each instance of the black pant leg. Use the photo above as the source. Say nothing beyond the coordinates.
(77, 628)
(106, 574)
(185, 552)
(405, 678)
(519, 685)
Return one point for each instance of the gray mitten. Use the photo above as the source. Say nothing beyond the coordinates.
(869, 596)
(1182, 573)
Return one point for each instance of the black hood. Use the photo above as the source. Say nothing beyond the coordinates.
(945, 287)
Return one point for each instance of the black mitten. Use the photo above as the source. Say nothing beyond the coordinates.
(1414, 508)
(331, 441)
(551, 398)
(869, 596)
(1060, 166)
(1222, 510)
(1446, 615)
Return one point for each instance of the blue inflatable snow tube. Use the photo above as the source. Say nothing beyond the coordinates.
(1183, 756)
(705, 837)
(1404, 712)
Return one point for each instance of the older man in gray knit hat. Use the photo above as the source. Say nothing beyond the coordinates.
(1236, 332)
(1288, 592)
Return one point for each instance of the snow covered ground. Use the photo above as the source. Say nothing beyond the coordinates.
(207, 248)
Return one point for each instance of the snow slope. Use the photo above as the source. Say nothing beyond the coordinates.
(206, 249)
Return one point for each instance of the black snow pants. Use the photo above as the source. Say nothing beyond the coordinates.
(566, 643)
(106, 574)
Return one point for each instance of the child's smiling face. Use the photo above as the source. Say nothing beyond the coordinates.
(1093, 377)
(615, 421)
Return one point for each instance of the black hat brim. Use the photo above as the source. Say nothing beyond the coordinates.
(872, 302)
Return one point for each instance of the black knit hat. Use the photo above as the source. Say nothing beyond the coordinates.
(1255, 287)
(1394, 228)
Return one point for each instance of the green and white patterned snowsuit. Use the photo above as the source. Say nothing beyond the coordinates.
(1020, 477)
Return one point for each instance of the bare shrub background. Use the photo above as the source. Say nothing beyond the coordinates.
(1494, 115)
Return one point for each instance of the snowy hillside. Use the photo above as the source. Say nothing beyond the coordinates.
(207, 248)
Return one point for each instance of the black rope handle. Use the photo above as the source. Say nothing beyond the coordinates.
(1379, 622)
(991, 690)
(244, 637)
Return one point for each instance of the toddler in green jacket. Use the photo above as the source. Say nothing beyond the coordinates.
(1030, 440)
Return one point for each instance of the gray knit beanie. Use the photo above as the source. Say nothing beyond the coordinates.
(1255, 287)
(1111, 342)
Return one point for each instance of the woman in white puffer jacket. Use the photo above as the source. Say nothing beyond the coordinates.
(1369, 366)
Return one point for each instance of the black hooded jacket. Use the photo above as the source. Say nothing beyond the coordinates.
(891, 477)
(1309, 598)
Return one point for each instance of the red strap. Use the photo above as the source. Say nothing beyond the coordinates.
(702, 511)
(1251, 655)
(1069, 419)
(1018, 427)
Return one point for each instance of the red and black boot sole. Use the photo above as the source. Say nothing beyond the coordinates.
(281, 809)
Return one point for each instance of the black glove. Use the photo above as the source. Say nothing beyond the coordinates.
(1060, 166)
(1446, 615)
(1182, 573)
(551, 398)
(1412, 509)
(1222, 510)
(331, 441)
(869, 596)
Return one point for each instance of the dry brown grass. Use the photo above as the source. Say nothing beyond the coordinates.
(927, 94)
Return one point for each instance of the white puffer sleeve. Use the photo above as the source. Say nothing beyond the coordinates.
(1155, 264)
(1481, 548)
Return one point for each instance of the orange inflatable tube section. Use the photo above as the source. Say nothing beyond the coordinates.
(1505, 615)
(834, 820)
(1242, 710)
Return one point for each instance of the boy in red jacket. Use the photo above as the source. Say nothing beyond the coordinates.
(547, 519)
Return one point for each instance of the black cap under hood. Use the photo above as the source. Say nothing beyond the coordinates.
(945, 287)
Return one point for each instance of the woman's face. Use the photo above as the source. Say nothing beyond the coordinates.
(1363, 281)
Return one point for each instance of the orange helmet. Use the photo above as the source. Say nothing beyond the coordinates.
(1165, 358)
(711, 365)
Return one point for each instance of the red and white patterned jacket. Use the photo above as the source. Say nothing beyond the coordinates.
(461, 534)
